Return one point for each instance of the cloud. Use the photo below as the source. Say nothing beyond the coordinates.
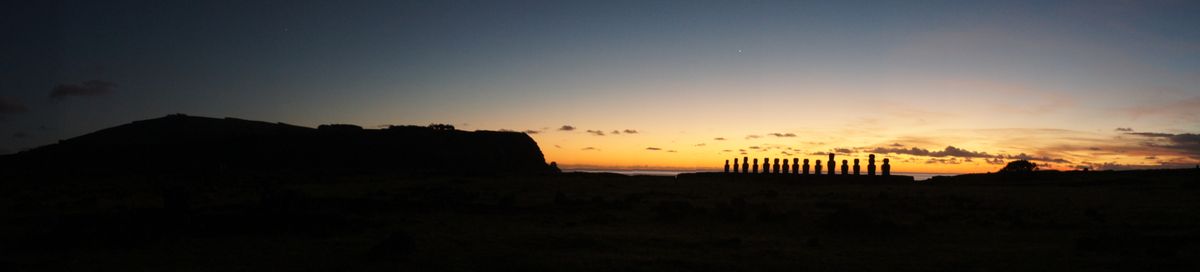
(566, 128)
(671, 151)
(590, 148)
(719, 139)
(530, 131)
(754, 147)
(700, 144)
(557, 146)
(843, 150)
(1120, 166)
(1186, 143)
(87, 88)
(951, 151)
(959, 152)
(613, 132)
(10, 106)
(1125, 129)
(777, 134)
(1024, 156)
(753, 136)
(653, 148)
(1179, 108)
(896, 145)
(948, 151)
(1151, 134)
(943, 161)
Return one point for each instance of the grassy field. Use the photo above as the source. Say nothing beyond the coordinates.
(1097, 221)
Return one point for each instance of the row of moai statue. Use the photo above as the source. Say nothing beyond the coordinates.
(797, 169)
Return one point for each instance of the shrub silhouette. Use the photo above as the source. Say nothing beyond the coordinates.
(1019, 166)
(441, 126)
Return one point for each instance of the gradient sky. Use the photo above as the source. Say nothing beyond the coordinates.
(938, 86)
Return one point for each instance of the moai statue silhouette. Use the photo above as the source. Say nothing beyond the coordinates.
(727, 166)
(887, 168)
(776, 169)
(832, 164)
(871, 165)
(785, 166)
(845, 167)
(745, 165)
(856, 167)
(766, 166)
(817, 169)
(735, 165)
(755, 168)
(795, 166)
(806, 166)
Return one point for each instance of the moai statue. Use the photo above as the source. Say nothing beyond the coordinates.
(735, 165)
(776, 169)
(871, 165)
(832, 164)
(766, 166)
(745, 165)
(795, 166)
(755, 168)
(856, 167)
(727, 166)
(785, 166)
(806, 166)
(817, 169)
(887, 168)
(845, 167)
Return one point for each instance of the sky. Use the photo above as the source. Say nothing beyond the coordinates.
(936, 86)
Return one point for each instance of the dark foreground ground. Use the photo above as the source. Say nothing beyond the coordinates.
(1098, 221)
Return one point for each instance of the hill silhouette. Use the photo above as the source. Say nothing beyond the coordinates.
(181, 144)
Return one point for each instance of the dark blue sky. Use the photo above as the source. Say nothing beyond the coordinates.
(660, 65)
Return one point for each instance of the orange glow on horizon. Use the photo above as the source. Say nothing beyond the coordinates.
(974, 151)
